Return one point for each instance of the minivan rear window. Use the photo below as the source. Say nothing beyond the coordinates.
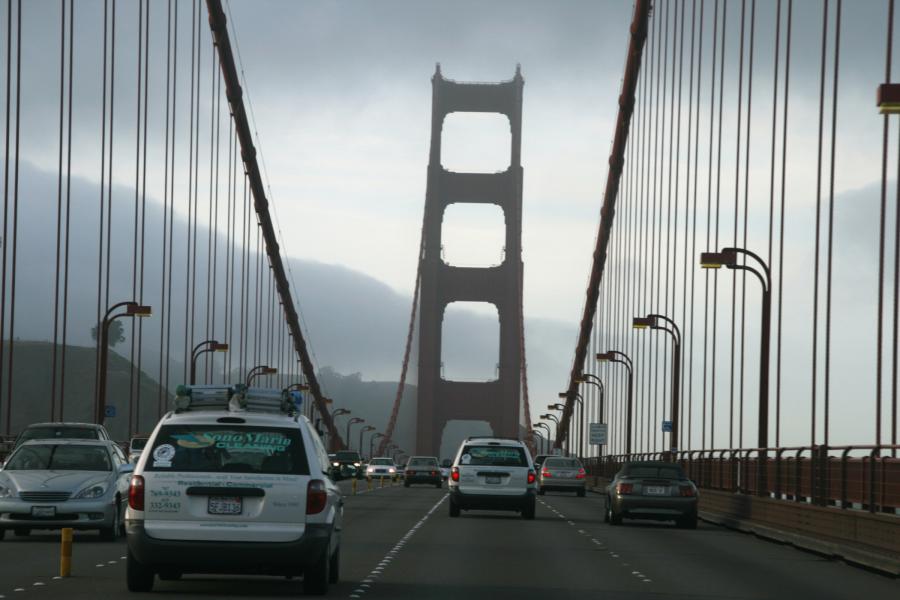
(493, 456)
(229, 449)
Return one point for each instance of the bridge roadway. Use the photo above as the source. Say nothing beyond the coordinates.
(567, 552)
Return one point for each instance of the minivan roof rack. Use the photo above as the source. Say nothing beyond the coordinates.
(233, 398)
(492, 437)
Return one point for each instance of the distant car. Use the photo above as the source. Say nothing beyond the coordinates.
(562, 475)
(346, 464)
(539, 460)
(492, 474)
(652, 490)
(136, 446)
(62, 431)
(49, 484)
(422, 469)
(381, 468)
(445, 468)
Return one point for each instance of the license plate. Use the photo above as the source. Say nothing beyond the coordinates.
(44, 512)
(492, 479)
(656, 490)
(225, 505)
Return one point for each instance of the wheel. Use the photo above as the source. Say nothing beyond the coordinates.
(316, 576)
(454, 509)
(528, 511)
(606, 512)
(334, 569)
(108, 534)
(169, 575)
(611, 516)
(2, 534)
(581, 493)
(22, 531)
(138, 577)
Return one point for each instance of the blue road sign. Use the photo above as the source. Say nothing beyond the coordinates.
(110, 410)
(667, 426)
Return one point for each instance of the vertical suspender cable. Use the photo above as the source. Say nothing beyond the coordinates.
(59, 206)
(65, 302)
(15, 225)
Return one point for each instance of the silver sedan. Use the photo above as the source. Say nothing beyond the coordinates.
(49, 484)
(562, 475)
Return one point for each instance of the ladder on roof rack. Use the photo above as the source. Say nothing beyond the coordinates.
(233, 398)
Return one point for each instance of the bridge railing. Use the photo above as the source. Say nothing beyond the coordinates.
(861, 477)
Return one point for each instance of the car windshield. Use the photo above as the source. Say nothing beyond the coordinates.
(496, 456)
(562, 463)
(347, 457)
(205, 448)
(654, 471)
(60, 457)
(423, 462)
(138, 443)
(381, 461)
(49, 432)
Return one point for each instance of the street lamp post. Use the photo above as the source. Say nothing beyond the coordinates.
(555, 419)
(362, 431)
(350, 422)
(546, 427)
(591, 379)
(259, 370)
(651, 321)
(372, 444)
(579, 446)
(728, 257)
(211, 346)
(622, 358)
(132, 309)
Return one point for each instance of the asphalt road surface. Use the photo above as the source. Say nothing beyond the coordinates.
(401, 543)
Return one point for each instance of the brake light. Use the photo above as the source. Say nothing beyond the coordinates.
(434, 472)
(454, 473)
(410, 472)
(687, 491)
(136, 493)
(624, 488)
(531, 477)
(545, 473)
(316, 497)
(581, 474)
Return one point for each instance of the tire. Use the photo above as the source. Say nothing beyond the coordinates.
(138, 577)
(22, 531)
(2, 534)
(169, 575)
(334, 569)
(109, 534)
(606, 512)
(581, 493)
(439, 484)
(317, 575)
(528, 511)
(611, 516)
(454, 509)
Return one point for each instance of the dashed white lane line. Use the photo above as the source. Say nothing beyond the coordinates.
(376, 572)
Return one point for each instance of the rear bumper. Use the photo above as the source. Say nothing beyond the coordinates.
(649, 507)
(562, 484)
(492, 502)
(432, 479)
(267, 558)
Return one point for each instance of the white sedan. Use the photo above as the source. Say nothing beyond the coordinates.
(380, 468)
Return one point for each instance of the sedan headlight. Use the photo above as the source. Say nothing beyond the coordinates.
(392, 470)
(370, 469)
(90, 492)
(337, 464)
(355, 464)
(5, 492)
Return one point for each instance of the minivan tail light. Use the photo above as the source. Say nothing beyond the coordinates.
(624, 488)
(454, 473)
(136, 493)
(581, 474)
(531, 477)
(316, 497)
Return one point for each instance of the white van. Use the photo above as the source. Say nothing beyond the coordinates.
(233, 481)
(492, 474)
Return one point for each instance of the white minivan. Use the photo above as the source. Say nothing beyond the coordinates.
(233, 481)
(491, 473)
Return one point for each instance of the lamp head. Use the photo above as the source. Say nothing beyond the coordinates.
(888, 99)
(217, 347)
(605, 356)
(642, 322)
(138, 310)
(715, 260)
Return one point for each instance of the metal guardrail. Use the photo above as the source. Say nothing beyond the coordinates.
(863, 477)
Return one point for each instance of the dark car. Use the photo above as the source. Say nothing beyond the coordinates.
(62, 431)
(423, 469)
(654, 490)
(346, 464)
(539, 460)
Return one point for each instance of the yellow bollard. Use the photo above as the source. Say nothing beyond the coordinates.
(392, 482)
(353, 486)
(65, 553)
(369, 484)
(382, 482)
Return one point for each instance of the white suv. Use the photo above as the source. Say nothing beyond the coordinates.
(233, 481)
(492, 474)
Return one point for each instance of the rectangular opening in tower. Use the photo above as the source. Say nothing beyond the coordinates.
(475, 142)
(473, 235)
(470, 342)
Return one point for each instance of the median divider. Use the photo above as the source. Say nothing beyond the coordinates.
(65, 553)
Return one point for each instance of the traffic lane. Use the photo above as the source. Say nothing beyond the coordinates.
(34, 559)
(373, 521)
(497, 556)
(717, 562)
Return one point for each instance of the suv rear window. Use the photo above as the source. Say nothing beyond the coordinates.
(493, 456)
(220, 448)
(653, 471)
